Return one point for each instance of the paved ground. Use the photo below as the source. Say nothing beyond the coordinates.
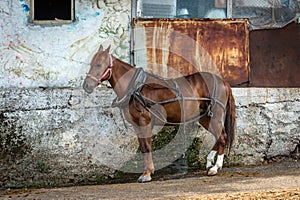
(272, 181)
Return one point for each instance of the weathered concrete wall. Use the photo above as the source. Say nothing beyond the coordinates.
(64, 136)
(268, 123)
(55, 136)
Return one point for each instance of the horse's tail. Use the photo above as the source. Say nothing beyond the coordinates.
(230, 120)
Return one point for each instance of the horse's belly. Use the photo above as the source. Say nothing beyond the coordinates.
(182, 113)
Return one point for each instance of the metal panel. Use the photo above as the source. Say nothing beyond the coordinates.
(157, 8)
(275, 57)
(173, 47)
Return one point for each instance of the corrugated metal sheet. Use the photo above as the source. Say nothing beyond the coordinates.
(173, 47)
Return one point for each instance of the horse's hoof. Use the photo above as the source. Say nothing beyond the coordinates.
(144, 179)
(212, 171)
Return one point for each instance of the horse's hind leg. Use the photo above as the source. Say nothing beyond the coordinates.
(219, 148)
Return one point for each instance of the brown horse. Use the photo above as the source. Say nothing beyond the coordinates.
(146, 100)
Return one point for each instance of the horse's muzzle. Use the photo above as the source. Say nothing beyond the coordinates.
(88, 87)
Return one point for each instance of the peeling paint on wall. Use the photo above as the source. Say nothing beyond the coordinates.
(58, 56)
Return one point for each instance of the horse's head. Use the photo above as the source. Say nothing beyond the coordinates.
(100, 70)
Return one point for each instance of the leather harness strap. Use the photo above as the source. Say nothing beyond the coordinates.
(134, 93)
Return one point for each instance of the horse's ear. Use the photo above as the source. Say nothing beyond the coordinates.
(100, 48)
(107, 50)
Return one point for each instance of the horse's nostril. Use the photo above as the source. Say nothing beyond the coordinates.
(85, 86)
(88, 87)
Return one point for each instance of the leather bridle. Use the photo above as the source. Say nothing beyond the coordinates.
(107, 71)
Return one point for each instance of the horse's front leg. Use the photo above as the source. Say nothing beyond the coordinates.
(144, 137)
(146, 148)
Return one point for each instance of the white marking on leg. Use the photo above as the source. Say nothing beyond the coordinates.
(210, 159)
(219, 164)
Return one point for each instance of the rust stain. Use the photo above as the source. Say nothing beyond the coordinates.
(275, 57)
(183, 46)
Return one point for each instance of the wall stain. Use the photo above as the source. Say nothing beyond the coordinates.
(13, 144)
(25, 7)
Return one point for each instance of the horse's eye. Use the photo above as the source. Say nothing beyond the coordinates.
(99, 65)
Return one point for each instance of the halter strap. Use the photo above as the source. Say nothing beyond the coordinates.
(105, 73)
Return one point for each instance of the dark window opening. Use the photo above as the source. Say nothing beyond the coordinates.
(55, 11)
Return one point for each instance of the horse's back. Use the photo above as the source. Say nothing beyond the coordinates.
(202, 83)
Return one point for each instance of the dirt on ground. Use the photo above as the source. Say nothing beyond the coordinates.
(271, 181)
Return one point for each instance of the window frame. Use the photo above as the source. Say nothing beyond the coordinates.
(51, 22)
(136, 6)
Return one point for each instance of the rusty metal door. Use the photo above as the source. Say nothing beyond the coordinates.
(174, 47)
(275, 57)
